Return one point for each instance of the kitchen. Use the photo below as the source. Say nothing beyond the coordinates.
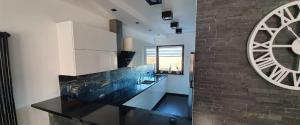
(138, 64)
(143, 85)
(149, 62)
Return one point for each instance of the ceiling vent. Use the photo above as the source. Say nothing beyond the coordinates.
(153, 2)
(167, 15)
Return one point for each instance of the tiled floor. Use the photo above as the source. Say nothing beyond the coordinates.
(174, 104)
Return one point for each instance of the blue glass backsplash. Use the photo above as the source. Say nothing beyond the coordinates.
(93, 86)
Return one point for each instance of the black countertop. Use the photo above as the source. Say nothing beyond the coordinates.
(108, 110)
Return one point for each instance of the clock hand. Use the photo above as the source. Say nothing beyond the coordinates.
(290, 29)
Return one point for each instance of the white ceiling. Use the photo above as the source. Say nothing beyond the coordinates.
(131, 11)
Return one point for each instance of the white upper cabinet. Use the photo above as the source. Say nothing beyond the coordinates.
(84, 49)
(91, 38)
(95, 61)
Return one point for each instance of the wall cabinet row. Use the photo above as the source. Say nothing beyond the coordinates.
(85, 49)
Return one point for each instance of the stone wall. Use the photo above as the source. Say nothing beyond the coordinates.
(227, 89)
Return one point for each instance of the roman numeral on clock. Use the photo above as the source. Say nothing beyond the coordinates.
(261, 47)
(264, 61)
(296, 80)
(278, 74)
(270, 30)
(289, 14)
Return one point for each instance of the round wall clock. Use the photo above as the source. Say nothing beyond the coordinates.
(274, 46)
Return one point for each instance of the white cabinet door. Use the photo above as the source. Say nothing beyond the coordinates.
(94, 61)
(158, 91)
(91, 38)
(150, 97)
(143, 101)
(67, 65)
(85, 49)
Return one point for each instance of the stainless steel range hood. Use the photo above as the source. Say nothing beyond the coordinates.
(124, 56)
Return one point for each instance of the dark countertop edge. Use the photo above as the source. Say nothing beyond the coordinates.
(69, 117)
(49, 111)
(63, 115)
(162, 77)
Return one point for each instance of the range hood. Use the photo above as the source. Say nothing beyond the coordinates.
(124, 58)
(124, 47)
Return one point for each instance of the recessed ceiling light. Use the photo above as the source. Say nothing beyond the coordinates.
(137, 22)
(114, 10)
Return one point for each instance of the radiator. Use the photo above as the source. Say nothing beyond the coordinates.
(7, 105)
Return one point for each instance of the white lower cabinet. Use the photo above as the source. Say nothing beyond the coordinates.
(150, 97)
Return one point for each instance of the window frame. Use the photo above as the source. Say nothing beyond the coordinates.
(157, 60)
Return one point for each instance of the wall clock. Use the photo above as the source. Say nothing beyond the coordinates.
(274, 46)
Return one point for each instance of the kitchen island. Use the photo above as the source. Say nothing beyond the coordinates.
(107, 110)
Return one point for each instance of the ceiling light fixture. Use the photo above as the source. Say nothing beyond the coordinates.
(179, 31)
(167, 15)
(114, 10)
(174, 25)
(153, 2)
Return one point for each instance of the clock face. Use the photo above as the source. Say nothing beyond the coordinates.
(274, 46)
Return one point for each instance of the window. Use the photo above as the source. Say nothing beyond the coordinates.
(170, 59)
(150, 53)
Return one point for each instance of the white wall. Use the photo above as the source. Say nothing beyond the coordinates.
(132, 32)
(140, 41)
(139, 48)
(179, 83)
(34, 50)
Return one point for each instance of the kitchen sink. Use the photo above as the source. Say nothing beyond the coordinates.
(147, 82)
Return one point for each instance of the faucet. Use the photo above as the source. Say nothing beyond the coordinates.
(140, 78)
